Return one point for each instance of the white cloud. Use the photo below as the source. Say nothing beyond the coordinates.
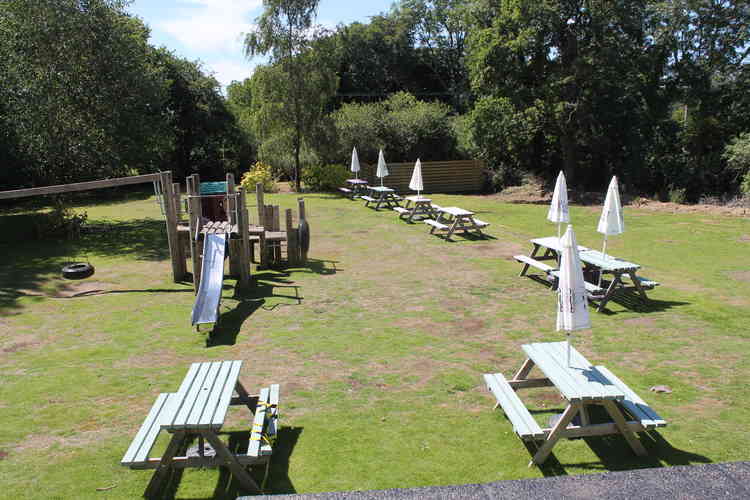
(207, 25)
(227, 70)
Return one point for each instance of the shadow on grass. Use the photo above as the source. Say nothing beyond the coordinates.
(627, 298)
(227, 488)
(615, 454)
(267, 284)
(27, 265)
(459, 237)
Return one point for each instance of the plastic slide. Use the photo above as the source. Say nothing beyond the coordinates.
(206, 308)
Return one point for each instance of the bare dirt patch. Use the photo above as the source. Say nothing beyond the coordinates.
(80, 289)
(743, 276)
(3, 454)
(643, 321)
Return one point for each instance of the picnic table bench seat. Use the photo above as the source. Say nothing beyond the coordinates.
(480, 223)
(436, 225)
(531, 262)
(645, 282)
(368, 198)
(590, 287)
(523, 422)
(638, 408)
(347, 192)
(162, 411)
(401, 210)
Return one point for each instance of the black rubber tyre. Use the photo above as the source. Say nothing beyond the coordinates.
(303, 236)
(77, 271)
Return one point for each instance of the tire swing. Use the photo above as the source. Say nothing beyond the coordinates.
(77, 270)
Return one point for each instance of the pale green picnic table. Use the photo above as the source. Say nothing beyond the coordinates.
(582, 385)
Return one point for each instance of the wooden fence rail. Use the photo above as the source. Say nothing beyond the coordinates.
(462, 176)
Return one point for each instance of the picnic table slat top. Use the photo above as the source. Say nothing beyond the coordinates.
(580, 381)
(204, 395)
(589, 256)
(382, 189)
(455, 211)
(418, 199)
(356, 181)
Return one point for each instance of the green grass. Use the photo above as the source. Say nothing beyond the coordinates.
(379, 346)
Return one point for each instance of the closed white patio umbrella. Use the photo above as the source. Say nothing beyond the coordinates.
(611, 222)
(415, 184)
(558, 208)
(354, 167)
(572, 301)
(382, 170)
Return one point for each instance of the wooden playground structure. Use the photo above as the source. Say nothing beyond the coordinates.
(224, 212)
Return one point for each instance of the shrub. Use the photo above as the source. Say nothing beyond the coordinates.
(259, 173)
(737, 156)
(324, 177)
(60, 222)
(677, 195)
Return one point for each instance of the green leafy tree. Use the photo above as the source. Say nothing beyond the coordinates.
(82, 95)
(293, 92)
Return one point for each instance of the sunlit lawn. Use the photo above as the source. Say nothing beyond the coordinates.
(379, 346)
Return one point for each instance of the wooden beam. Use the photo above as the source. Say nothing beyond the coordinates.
(79, 186)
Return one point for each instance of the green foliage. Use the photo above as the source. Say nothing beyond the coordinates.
(404, 127)
(291, 94)
(60, 222)
(325, 177)
(259, 173)
(80, 92)
(737, 156)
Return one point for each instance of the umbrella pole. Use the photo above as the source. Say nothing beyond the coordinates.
(604, 255)
(567, 335)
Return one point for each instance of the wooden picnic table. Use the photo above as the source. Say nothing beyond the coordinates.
(382, 196)
(595, 264)
(357, 187)
(582, 385)
(416, 206)
(198, 410)
(452, 219)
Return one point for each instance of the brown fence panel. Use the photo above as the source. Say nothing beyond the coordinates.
(461, 176)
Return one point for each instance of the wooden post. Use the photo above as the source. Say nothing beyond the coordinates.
(291, 240)
(302, 253)
(276, 228)
(174, 245)
(243, 226)
(261, 206)
(194, 219)
(177, 200)
(235, 245)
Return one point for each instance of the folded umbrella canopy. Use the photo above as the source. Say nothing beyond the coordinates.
(558, 208)
(382, 170)
(611, 222)
(415, 184)
(354, 167)
(572, 301)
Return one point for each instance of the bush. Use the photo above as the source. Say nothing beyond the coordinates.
(737, 156)
(60, 222)
(324, 177)
(259, 173)
(677, 195)
(404, 127)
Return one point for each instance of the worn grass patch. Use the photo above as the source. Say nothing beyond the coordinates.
(378, 344)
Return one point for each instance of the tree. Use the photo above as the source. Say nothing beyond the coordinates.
(82, 96)
(205, 137)
(293, 92)
(579, 80)
(440, 28)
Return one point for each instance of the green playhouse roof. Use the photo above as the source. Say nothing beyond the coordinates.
(213, 188)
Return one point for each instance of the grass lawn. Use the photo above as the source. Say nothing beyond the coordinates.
(379, 346)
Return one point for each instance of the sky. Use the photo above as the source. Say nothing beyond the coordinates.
(211, 30)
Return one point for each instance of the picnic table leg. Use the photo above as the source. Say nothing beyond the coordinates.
(532, 255)
(523, 372)
(165, 465)
(609, 293)
(244, 396)
(237, 470)
(637, 284)
(622, 426)
(451, 229)
(546, 448)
